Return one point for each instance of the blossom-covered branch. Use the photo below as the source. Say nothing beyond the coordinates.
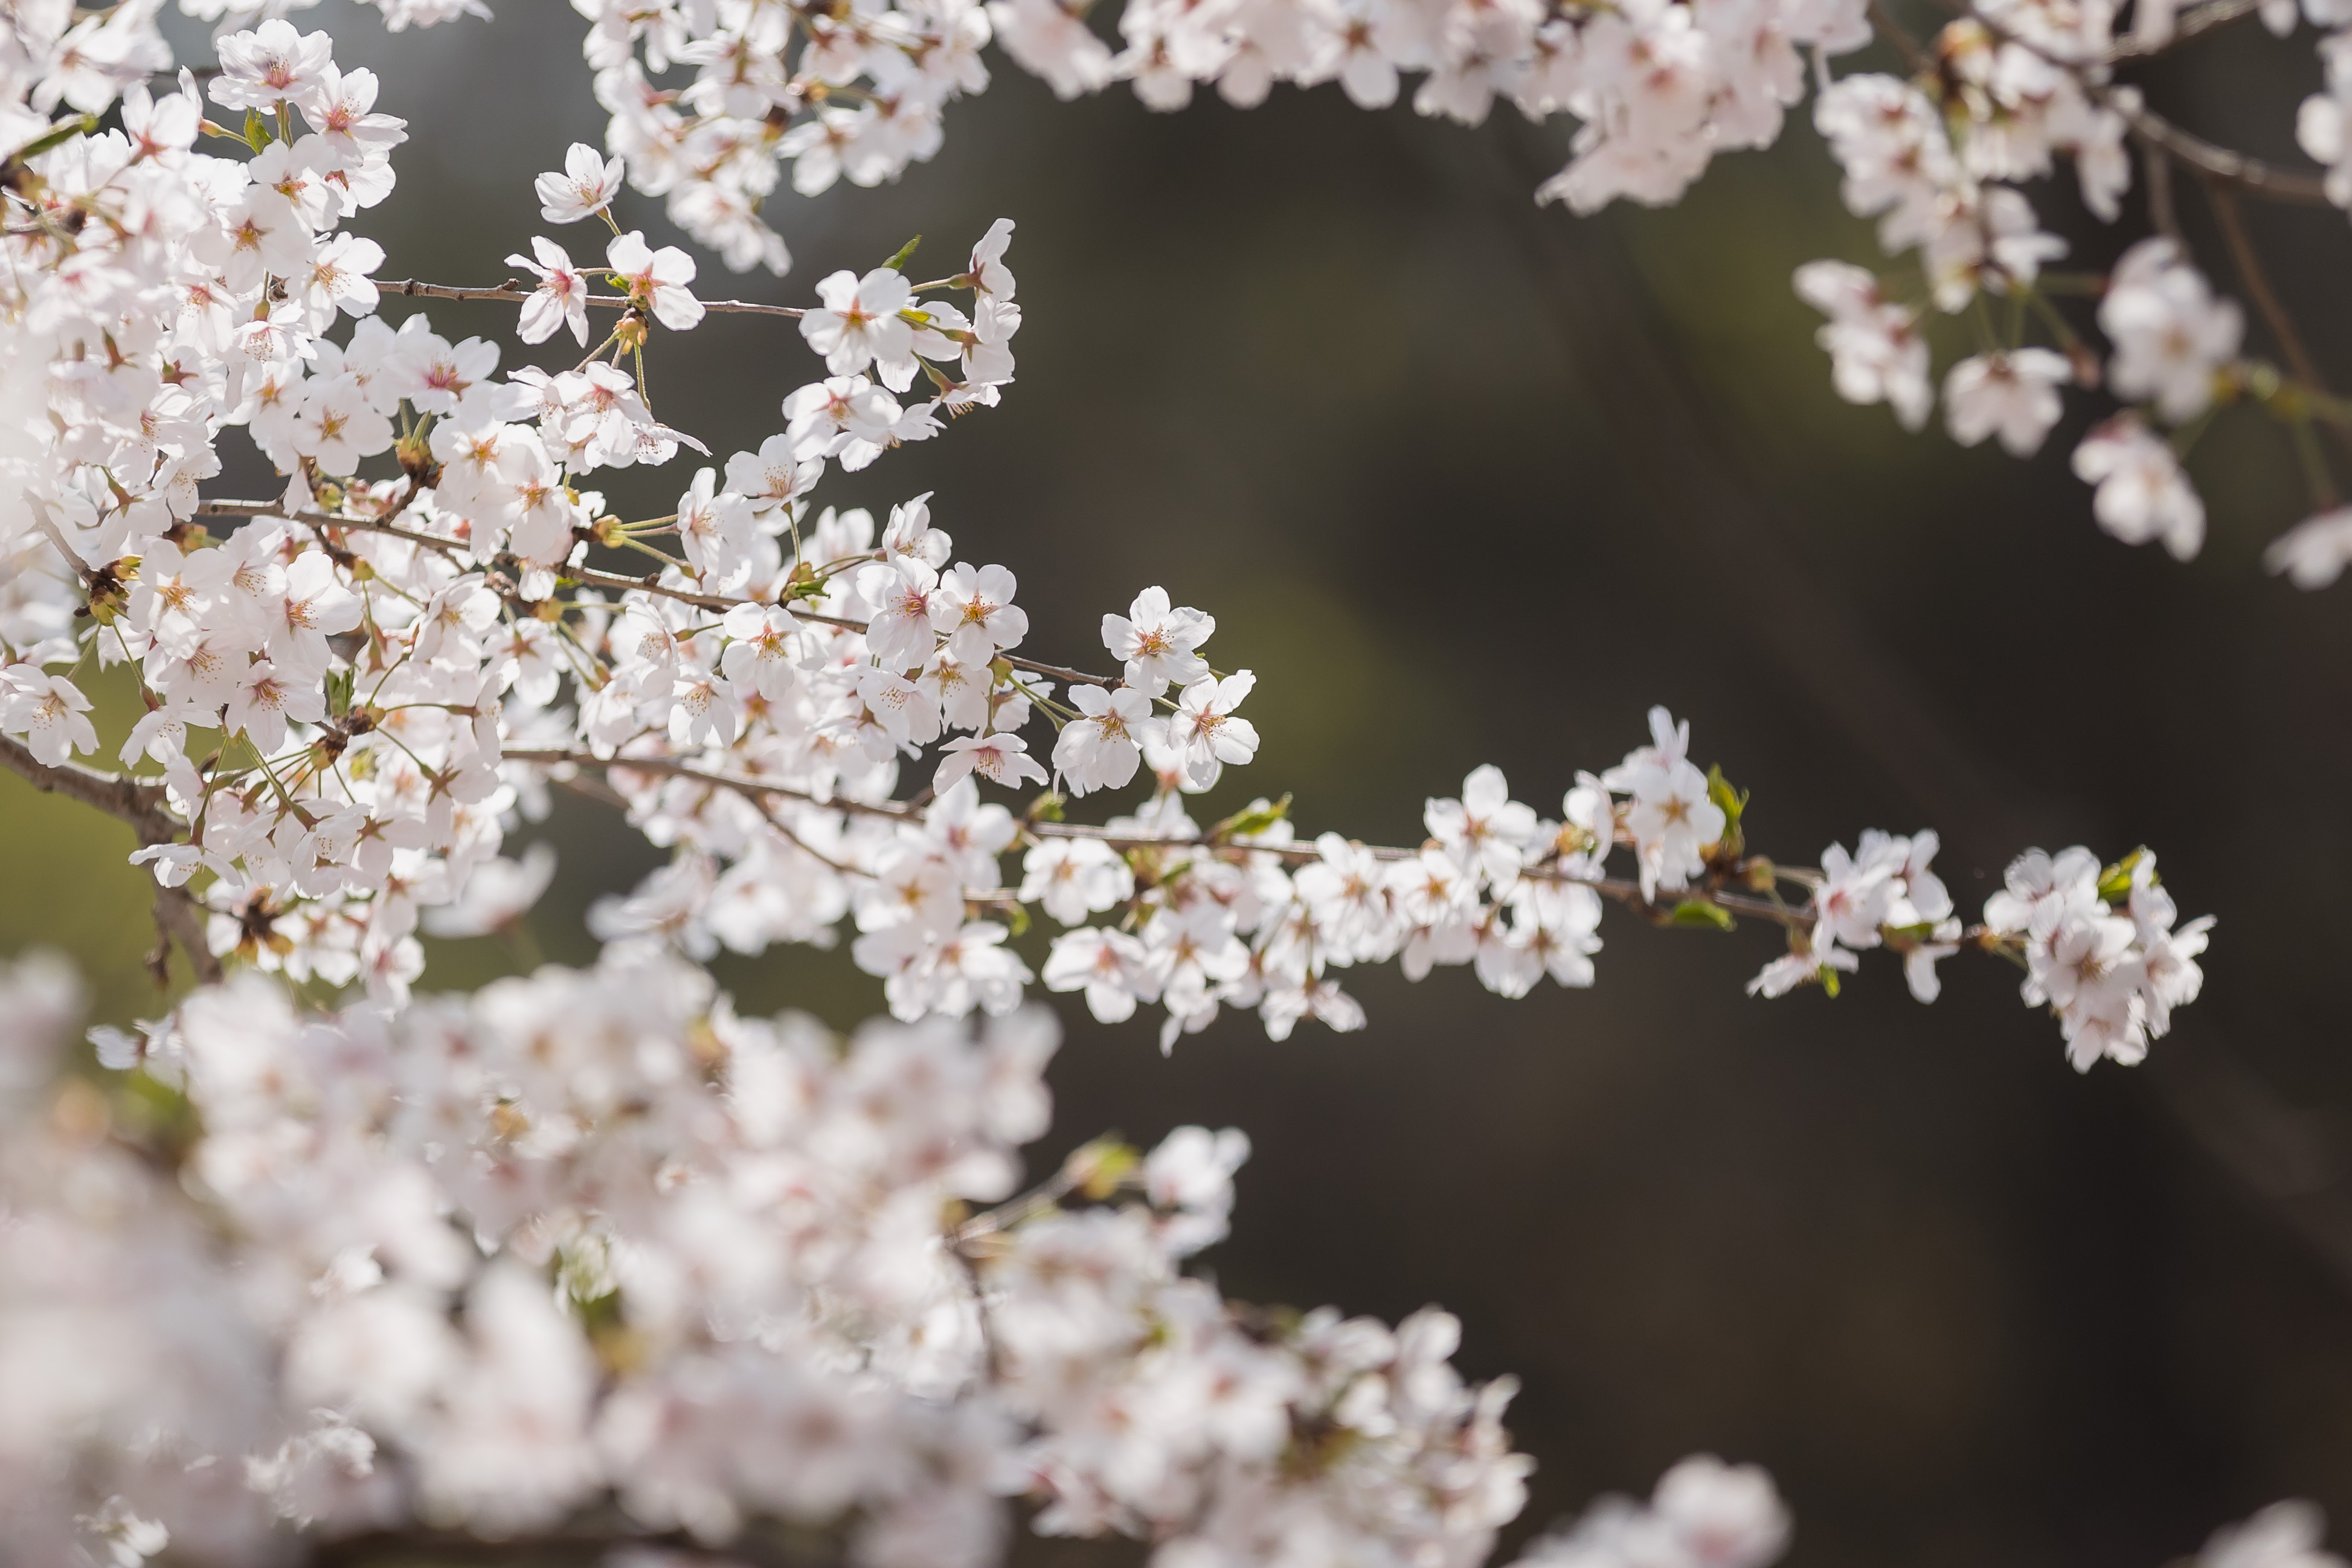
(590, 1258)
(391, 668)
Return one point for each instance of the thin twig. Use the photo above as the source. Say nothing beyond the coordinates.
(2258, 285)
(140, 806)
(2163, 214)
(1618, 889)
(120, 796)
(2209, 158)
(513, 292)
(1706, 496)
(665, 767)
(650, 583)
(2199, 19)
(262, 509)
(1896, 33)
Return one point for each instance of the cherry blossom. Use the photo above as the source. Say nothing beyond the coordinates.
(2012, 396)
(2143, 493)
(585, 187)
(560, 301)
(657, 279)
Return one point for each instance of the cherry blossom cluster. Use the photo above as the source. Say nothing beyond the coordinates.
(591, 1239)
(161, 296)
(1937, 162)
(354, 691)
(1657, 89)
(590, 1252)
(1997, 97)
(708, 102)
(2112, 975)
(1703, 1514)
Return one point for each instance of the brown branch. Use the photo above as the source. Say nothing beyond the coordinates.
(668, 768)
(2199, 19)
(2251, 273)
(178, 914)
(2163, 213)
(454, 547)
(1618, 889)
(140, 806)
(651, 583)
(2209, 158)
(1061, 673)
(1896, 33)
(2206, 157)
(512, 292)
(126, 799)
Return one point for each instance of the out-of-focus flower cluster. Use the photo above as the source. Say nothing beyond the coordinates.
(1938, 161)
(591, 1236)
(1658, 88)
(1704, 1514)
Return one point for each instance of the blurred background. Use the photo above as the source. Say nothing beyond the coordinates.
(1464, 480)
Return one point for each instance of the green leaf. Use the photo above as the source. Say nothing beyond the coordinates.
(1829, 981)
(257, 130)
(2115, 881)
(1732, 801)
(1699, 915)
(1047, 807)
(1097, 1169)
(1018, 922)
(898, 262)
(1252, 819)
(57, 135)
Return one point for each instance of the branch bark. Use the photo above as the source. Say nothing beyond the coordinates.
(511, 291)
(1715, 892)
(140, 806)
(650, 583)
(2218, 161)
(126, 799)
(2206, 157)
(585, 1543)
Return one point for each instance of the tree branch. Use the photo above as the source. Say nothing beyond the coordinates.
(2251, 273)
(126, 799)
(512, 292)
(583, 1543)
(1896, 33)
(2206, 157)
(1618, 889)
(1824, 649)
(2200, 19)
(320, 520)
(2218, 161)
(139, 805)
